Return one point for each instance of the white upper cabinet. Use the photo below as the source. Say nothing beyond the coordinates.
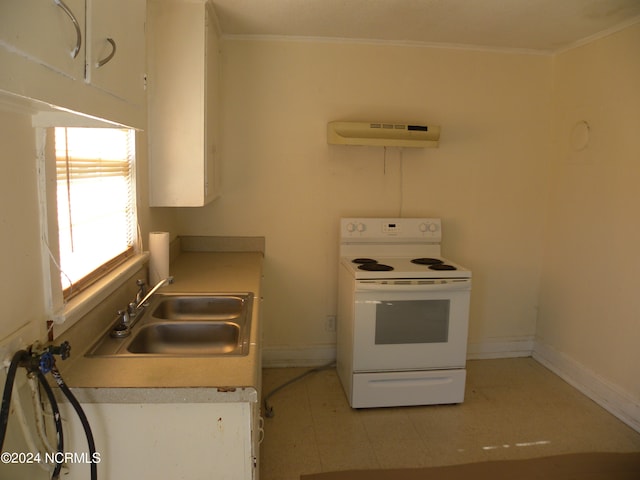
(116, 47)
(183, 97)
(87, 56)
(46, 31)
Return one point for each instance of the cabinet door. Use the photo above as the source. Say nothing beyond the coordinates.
(183, 103)
(46, 32)
(177, 104)
(116, 47)
(162, 440)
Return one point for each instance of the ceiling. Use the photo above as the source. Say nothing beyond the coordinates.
(537, 25)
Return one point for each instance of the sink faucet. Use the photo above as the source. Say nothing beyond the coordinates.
(142, 291)
(161, 283)
(127, 318)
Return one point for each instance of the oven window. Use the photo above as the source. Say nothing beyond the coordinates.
(412, 321)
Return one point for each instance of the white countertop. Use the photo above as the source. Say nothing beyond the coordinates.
(102, 378)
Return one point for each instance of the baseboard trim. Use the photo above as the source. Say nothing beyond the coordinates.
(288, 356)
(609, 396)
(505, 347)
(312, 356)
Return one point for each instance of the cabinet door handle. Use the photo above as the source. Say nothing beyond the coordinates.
(110, 56)
(72, 17)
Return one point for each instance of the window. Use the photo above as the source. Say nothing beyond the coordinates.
(95, 202)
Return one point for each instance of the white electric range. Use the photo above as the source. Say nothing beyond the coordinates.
(403, 313)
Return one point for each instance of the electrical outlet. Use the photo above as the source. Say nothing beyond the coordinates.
(330, 323)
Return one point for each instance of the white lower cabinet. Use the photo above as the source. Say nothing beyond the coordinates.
(190, 441)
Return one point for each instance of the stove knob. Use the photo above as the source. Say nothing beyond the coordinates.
(428, 227)
(351, 227)
(361, 227)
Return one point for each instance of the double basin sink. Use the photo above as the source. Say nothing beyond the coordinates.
(186, 325)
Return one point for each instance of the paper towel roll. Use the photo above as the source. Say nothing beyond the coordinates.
(158, 256)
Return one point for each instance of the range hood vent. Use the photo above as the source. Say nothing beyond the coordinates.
(383, 134)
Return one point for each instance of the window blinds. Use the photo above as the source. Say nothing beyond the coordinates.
(96, 202)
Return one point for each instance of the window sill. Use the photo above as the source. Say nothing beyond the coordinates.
(84, 302)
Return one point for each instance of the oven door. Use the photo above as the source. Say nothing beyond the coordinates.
(410, 324)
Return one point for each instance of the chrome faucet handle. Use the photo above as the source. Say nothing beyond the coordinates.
(161, 283)
(131, 309)
(123, 317)
(142, 291)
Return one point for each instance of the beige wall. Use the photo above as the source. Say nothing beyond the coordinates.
(590, 301)
(487, 181)
(21, 290)
(21, 294)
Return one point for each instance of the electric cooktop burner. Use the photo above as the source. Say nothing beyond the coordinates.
(364, 260)
(433, 263)
(442, 266)
(375, 267)
(371, 265)
(427, 261)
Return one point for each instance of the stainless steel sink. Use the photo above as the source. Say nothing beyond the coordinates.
(187, 338)
(196, 307)
(186, 325)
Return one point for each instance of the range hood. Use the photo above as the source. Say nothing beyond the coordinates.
(382, 134)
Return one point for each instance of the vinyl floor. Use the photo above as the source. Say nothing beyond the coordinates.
(514, 408)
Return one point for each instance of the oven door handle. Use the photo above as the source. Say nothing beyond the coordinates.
(414, 285)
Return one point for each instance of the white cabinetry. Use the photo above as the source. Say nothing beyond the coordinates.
(163, 440)
(183, 86)
(116, 47)
(49, 51)
(47, 32)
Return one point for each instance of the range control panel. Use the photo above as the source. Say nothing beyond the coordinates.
(391, 229)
